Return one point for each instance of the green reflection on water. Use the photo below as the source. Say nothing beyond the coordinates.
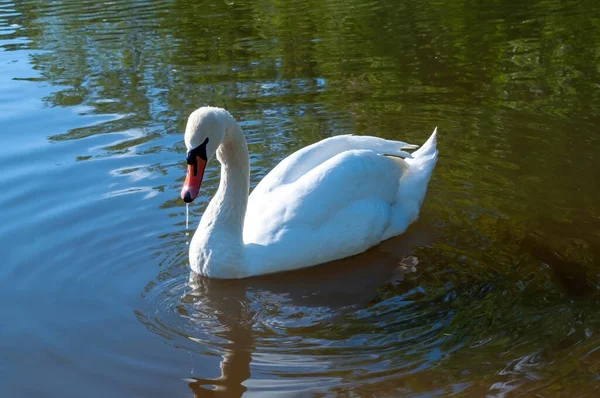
(513, 273)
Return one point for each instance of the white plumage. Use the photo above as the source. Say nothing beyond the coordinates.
(330, 200)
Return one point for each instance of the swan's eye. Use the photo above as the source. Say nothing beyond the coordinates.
(200, 151)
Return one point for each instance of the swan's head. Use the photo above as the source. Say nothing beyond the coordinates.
(203, 134)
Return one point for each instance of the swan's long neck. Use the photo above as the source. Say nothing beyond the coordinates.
(231, 199)
(219, 238)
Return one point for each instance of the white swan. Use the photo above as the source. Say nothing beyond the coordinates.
(333, 199)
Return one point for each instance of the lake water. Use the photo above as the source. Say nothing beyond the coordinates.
(95, 294)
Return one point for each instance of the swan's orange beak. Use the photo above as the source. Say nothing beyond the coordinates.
(193, 179)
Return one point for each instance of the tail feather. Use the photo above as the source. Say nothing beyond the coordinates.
(412, 188)
(428, 148)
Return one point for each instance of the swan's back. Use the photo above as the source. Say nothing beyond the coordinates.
(334, 199)
(302, 161)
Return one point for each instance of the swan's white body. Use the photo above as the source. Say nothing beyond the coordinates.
(330, 200)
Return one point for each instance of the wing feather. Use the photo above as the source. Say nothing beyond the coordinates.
(317, 196)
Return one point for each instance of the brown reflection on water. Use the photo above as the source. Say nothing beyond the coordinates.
(283, 318)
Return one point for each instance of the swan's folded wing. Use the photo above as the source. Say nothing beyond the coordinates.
(306, 159)
(337, 209)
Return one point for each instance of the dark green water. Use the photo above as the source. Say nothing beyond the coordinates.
(94, 291)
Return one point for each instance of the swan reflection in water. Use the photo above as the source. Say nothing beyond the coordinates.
(228, 300)
(266, 315)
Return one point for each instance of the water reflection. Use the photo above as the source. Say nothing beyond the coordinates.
(303, 321)
(401, 317)
(504, 298)
(227, 300)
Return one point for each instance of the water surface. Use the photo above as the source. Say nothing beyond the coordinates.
(95, 290)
